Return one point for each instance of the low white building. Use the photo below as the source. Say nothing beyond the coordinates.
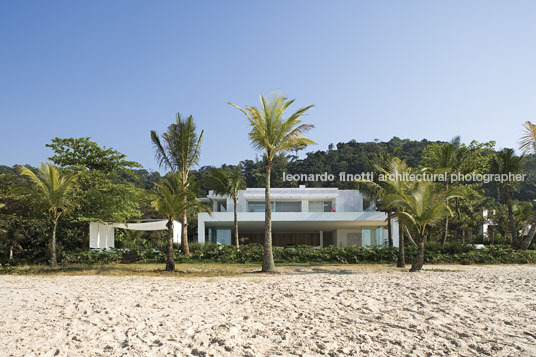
(311, 216)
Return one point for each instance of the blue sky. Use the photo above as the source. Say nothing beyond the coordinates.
(114, 70)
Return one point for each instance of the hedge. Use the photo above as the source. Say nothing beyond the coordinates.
(253, 253)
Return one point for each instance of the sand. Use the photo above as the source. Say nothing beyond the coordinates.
(338, 311)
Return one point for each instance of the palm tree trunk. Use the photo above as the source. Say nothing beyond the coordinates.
(401, 263)
(409, 236)
(53, 261)
(446, 227)
(11, 252)
(389, 229)
(525, 243)
(184, 236)
(446, 232)
(508, 194)
(268, 261)
(237, 244)
(418, 262)
(170, 264)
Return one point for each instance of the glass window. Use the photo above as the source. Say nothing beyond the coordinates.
(219, 235)
(379, 236)
(320, 206)
(288, 206)
(316, 206)
(255, 206)
(365, 236)
(258, 206)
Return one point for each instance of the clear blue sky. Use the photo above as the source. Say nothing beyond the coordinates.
(114, 70)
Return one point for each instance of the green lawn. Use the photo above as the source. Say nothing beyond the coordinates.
(191, 269)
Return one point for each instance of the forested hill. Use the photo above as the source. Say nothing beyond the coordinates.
(351, 157)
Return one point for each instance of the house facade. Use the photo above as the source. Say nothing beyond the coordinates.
(312, 216)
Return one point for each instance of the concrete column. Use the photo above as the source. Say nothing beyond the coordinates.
(321, 239)
(304, 205)
(396, 238)
(200, 229)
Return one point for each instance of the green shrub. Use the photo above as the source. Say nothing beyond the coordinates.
(253, 253)
(92, 257)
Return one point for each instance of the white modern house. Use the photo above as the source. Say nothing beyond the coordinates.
(312, 216)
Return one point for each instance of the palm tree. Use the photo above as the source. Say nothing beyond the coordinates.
(506, 162)
(274, 134)
(54, 188)
(178, 151)
(228, 182)
(447, 159)
(421, 208)
(171, 200)
(385, 157)
(391, 166)
(527, 144)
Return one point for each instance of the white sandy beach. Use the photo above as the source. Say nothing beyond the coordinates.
(337, 311)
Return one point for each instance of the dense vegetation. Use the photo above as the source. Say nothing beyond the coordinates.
(451, 253)
(111, 188)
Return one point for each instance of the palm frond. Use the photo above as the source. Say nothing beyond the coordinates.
(271, 132)
(527, 143)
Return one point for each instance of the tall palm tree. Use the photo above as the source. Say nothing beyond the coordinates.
(390, 166)
(447, 159)
(171, 200)
(54, 188)
(385, 158)
(506, 162)
(421, 208)
(228, 182)
(272, 133)
(178, 150)
(527, 144)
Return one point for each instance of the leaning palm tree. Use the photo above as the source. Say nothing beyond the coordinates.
(55, 189)
(506, 162)
(178, 150)
(228, 182)
(272, 133)
(390, 167)
(527, 144)
(171, 200)
(421, 208)
(447, 159)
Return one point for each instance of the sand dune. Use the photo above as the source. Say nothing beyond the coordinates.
(480, 311)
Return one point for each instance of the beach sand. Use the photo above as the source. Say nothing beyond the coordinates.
(332, 311)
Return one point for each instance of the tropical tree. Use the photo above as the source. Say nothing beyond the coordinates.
(446, 159)
(386, 184)
(178, 150)
(171, 200)
(55, 189)
(272, 133)
(107, 188)
(385, 159)
(228, 182)
(527, 144)
(504, 163)
(422, 207)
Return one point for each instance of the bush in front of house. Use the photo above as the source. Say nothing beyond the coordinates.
(452, 253)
